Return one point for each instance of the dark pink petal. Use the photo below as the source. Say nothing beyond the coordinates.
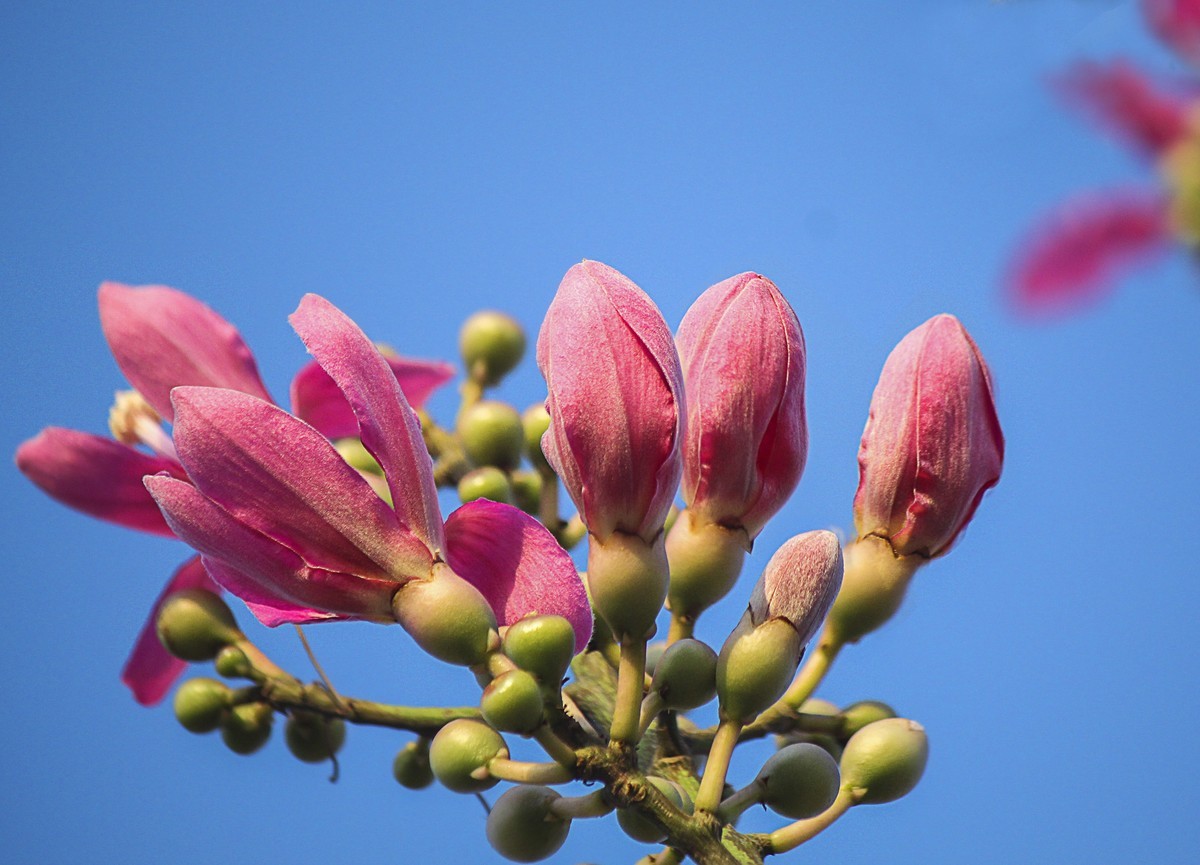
(1124, 101)
(151, 669)
(269, 609)
(1076, 253)
(96, 475)
(264, 571)
(163, 338)
(743, 359)
(615, 401)
(517, 566)
(388, 426)
(317, 400)
(281, 477)
(1177, 23)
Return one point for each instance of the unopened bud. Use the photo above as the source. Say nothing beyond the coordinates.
(527, 491)
(885, 760)
(512, 702)
(756, 666)
(460, 752)
(195, 624)
(488, 482)
(446, 616)
(535, 421)
(492, 344)
(313, 738)
(521, 826)
(199, 704)
(641, 828)
(232, 663)
(686, 675)
(247, 727)
(705, 561)
(799, 781)
(858, 715)
(873, 588)
(492, 434)
(627, 582)
(542, 645)
(411, 766)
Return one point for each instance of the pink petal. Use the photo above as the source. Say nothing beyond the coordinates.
(266, 572)
(615, 401)
(317, 400)
(96, 475)
(268, 608)
(517, 566)
(743, 359)
(388, 426)
(1122, 99)
(1075, 254)
(151, 669)
(163, 338)
(1177, 23)
(282, 478)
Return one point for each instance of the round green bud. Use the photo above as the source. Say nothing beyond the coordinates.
(512, 702)
(232, 663)
(199, 704)
(411, 766)
(492, 434)
(355, 453)
(460, 752)
(536, 420)
(446, 616)
(641, 828)
(246, 727)
(686, 675)
(858, 715)
(491, 343)
(817, 706)
(527, 491)
(195, 624)
(488, 482)
(799, 781)
(706, 560)
(885, 759)
(627, 583)
(521, 826)
(756, 666)
(874, 583)
(313, 738)
(654, 651)
(542, 645)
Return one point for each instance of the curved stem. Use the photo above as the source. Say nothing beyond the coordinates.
(560, 751)
(577, 807)
(791, 837)
(631, 680)
(665, 856)
(712, 783)
(528, 773)
(733, 807)
(651, 706)
(682, 628)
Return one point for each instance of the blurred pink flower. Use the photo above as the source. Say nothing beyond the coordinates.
(1177, 23)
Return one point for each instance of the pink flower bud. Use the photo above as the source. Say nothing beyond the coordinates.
(932, 444)
(743, 359)
(799, 583)
(615, 398)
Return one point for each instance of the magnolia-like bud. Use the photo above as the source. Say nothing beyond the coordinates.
(885, 760)
(536, 420)
(858, 715)
(200, 703)
(488, 482)
(492, 434)
(195, 624)
(512, 702)
(873, 588)
(521, 826)
(685, 676)
(460, 752)
(932, 444)
(743, 358)
(491, 344)
(627, 582)
(799, 781)
(411, 767)
(705, 560)
(641, 828)
(313, 738)
(446, 616)
(542, 645)
(246, 727)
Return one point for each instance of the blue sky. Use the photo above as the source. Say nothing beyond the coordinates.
(414, 163)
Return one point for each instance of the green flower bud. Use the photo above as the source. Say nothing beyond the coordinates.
(246, 727)
(411, 766)
(799, 781)
(199, 704)
(354, 453)
(512, 702)
(313, 738)
(485, 483)
(527, 491)
(195, 624)
(521, 826)
(446, 616)
(830, 743)
(654, 651)
(885, 759)
(858, 715)
(542, 645)
(706, 560)
(873, 587)
(641, 828)
(535, 421)
(756, 666)
(686, 675)
(627, 583)
(491, 343)
(460, 752)
(232, 663)
(492, 434)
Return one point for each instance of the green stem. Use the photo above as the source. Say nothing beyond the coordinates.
(791, 837)
(287, 693)
(733, 807)
(522, 772)
(712, 783)
(651, 706)
(562, 753)
(665, 856)
(682, 628)
(631, 681)
(580, 807)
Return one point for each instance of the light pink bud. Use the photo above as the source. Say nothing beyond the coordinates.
(932, 444)
(800, 583)
(615, 401)
(743, 359)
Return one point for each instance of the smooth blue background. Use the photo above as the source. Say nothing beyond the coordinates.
(879, 161)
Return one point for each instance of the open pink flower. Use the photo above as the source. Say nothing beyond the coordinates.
(283, 522)
(932, 444)
(743, 358)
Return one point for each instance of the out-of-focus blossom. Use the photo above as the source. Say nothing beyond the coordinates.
(932, 444)
(1176, 23)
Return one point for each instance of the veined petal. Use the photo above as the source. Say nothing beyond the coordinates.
(517, 566)
(266, 606)
(281, 477)
(1076, 253)
(1177, 23)
(96, 475)
(317, 400)
(283, 579)
(800, 582)
(151, 670)
(388, 426)
(163, 338)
